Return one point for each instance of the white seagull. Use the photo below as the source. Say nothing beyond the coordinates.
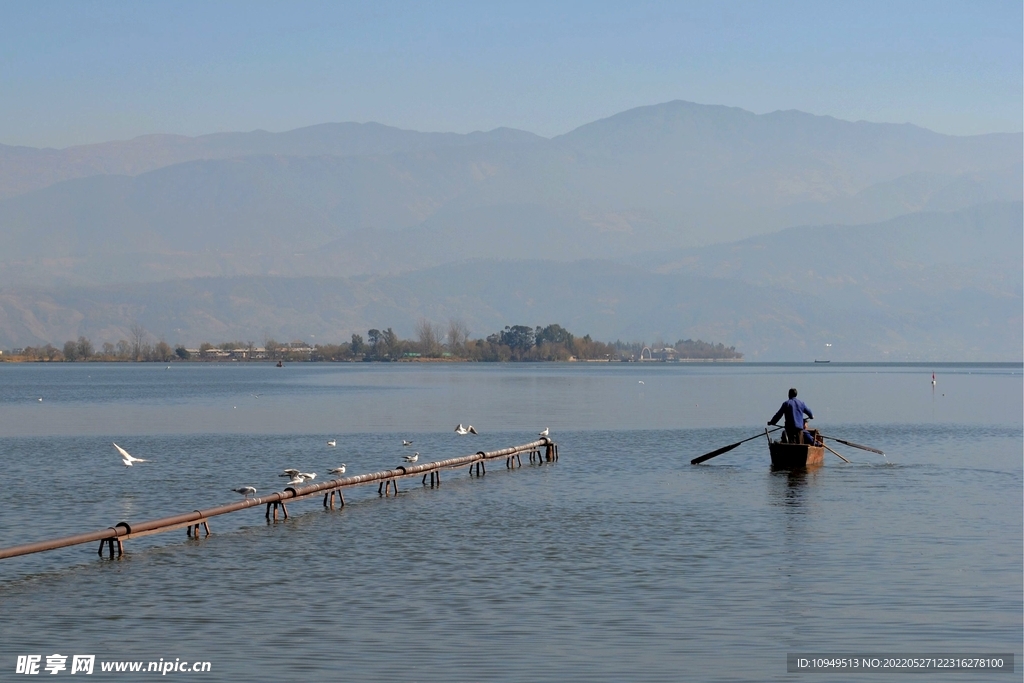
(295, 481)
(246, 490)
(406, 443)
(290, 473)
(306, 476)
(412, 458)
(332, 443)
(547, 430)
(464, 430)
(127, 458)
(338, 470)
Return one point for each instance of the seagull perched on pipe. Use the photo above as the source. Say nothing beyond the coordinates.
(126, 457)
(338, 470)
(464, 430)
(246, 490)
(547, 430)
(411, 458)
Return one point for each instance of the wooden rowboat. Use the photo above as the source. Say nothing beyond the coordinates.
(796, 455)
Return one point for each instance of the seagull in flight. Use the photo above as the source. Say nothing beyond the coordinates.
(332, 443)
(306, 476)
(464, 430)
(411, 458)
(290, 473)
(246, 490)
(547, 430)
(406, 443)
(338, 470)
(294, 481)
(127, 458)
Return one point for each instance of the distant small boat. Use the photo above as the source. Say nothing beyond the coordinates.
(822, 361)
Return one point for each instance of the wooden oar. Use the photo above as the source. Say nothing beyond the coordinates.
(853, 445)
(724, 449)
(833, 452)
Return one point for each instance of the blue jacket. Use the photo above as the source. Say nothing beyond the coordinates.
(794, 409)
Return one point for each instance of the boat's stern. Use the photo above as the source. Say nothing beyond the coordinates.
(794, 455)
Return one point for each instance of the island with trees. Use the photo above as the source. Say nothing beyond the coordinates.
(433, 342)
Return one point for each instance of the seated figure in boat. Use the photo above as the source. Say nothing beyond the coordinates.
(794, 409)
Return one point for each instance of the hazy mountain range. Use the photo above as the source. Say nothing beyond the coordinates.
(662, 220)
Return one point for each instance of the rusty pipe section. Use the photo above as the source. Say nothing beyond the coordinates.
(124, 529)
(411, 470)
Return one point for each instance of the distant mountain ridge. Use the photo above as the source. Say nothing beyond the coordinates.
(789, 155)
(670, 219)
(23, 169)
(364, 198)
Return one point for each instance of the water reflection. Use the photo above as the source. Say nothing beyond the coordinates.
(787, 486)
(127, 506)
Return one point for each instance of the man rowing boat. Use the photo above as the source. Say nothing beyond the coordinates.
(794, 409)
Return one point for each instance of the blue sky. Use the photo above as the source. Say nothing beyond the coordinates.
(80, 72)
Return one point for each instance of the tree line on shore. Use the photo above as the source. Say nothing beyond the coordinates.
(432, 342)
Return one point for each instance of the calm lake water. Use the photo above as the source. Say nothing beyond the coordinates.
(620, 562)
